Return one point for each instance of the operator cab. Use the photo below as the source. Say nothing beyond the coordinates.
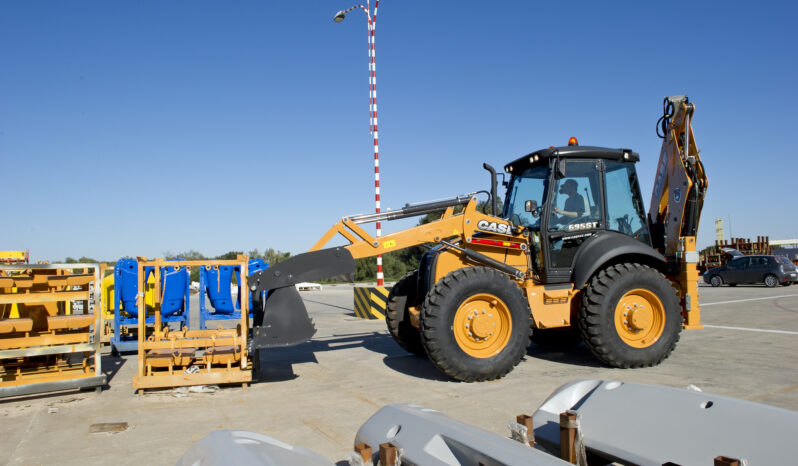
(566, 196)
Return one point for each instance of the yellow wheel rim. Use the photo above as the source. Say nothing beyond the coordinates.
(640, 318)
(482, 325)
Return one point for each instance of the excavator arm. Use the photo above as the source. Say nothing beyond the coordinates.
(681, 184)
(677, 200)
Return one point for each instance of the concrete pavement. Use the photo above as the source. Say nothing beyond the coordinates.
(318, 394)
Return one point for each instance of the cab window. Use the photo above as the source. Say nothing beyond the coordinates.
(576, 209)
(625, 211)
(528, 188)
(576, 199)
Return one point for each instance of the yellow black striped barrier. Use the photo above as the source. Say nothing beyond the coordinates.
(370, 301)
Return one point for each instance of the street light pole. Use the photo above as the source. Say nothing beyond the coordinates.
(372, 21)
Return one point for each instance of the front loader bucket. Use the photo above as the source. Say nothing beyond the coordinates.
(283, 319)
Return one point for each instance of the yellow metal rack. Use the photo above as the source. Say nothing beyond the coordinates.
(191, 357)
(48, 343)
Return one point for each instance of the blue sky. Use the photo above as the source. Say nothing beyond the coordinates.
(137, 128)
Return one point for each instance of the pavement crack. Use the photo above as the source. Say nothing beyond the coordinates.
(27, 434)
(768, 395)
(313, 425)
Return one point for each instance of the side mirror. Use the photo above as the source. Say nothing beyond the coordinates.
(532, 207)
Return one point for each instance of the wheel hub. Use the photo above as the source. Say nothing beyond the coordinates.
(639, 318)
(482, 325)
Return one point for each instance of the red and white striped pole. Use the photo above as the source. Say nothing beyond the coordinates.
(372, 21)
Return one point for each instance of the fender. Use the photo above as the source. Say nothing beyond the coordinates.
(603, 247)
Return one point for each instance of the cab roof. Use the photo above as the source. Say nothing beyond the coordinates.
(572, 152)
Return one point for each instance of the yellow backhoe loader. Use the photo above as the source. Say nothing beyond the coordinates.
(572, 257)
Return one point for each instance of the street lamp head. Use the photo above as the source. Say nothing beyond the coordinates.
(339, 16)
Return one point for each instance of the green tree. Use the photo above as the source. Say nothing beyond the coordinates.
(270, 256)
(190, 255)
(82, 260)
(228, 256)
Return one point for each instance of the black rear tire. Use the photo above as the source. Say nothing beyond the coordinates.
(715, 280)
(403, 295)
(771, 280)
(604, 307)
(557, 338)
(453, 300)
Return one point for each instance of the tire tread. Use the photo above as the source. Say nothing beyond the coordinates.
(434, 311)
(596, 337)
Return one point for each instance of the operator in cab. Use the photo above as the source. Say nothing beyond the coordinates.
(574, 205)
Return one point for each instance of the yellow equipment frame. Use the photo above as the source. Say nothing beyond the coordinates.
(164, 356)
(36, 344)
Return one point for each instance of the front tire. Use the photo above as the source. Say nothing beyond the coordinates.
(771, 281)
(475, 324)
(404, 295)
(716, 281)
(630, 316)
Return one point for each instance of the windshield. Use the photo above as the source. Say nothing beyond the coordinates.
(528, 186)
(783, 260)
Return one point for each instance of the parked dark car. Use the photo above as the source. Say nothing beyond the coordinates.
(770, 270)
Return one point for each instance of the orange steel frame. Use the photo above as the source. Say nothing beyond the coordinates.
(164, 356)
(35, 348)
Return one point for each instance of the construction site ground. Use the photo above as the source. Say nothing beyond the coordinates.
(318, 394)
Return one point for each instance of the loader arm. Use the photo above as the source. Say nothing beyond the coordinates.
(676, 203)
(450, 225)
(283, 320)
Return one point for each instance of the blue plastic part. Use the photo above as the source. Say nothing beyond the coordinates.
(216, 283)
(174, 299)
(174, 289)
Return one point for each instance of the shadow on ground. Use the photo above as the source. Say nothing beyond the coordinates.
(276, 364)
(111, 366)
(577, 355)
(416, 366)
(349, 311)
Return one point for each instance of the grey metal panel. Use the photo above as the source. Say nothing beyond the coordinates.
(43, 387)
(427, 437)
(242, 448)
(647, 424)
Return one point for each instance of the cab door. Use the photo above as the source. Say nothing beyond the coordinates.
(575, 212)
